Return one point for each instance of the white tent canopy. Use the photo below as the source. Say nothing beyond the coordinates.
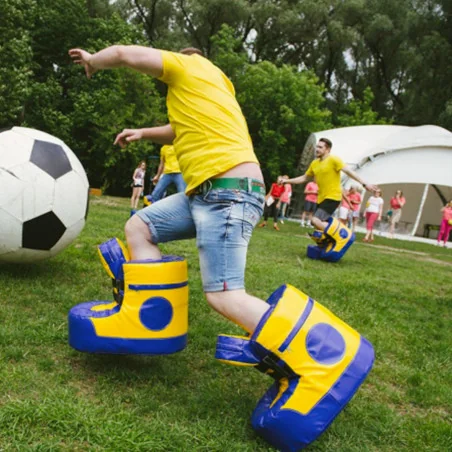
(417, 160)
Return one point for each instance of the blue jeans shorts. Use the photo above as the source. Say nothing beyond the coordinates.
(222, 220)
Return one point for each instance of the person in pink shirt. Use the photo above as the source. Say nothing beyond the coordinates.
(346, 205)
(396, 203)
(354, 196)
(285, 201)
(446, 223)
(310, 202)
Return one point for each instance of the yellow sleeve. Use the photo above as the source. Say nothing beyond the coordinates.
(173, 67)
(309, 171)
(338, 163)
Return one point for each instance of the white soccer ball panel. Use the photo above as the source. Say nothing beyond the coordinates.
(38, 192)
(76, 165)
(68, 237)
(10, 233)
(11, 194)
(37, 135)
(14, 149)
(71, 197)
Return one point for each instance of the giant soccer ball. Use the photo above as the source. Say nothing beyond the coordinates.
(43, 195)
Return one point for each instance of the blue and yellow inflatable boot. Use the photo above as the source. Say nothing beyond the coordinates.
(150, 312)
(332, 243)
(317, 361)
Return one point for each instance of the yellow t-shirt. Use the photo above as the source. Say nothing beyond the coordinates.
(211, 133)
(327, 174)
(168, 153)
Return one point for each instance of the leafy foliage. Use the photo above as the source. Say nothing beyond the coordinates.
(298, 67)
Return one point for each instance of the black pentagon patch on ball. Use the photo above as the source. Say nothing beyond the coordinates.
(43, 232)
(51, 158)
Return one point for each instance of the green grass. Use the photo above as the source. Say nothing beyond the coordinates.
(397, 294)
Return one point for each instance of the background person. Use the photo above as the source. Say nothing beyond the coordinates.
(446, 224)
(396, 203)
(310, 203)
(374, 211)
(168, 173)
(272, 203)
(355, 199)
(285, 201)
(346, 207)
(137, 184)
(326, 169)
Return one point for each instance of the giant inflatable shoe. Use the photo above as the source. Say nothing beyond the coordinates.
(318, 363)
(332, 243)
(147, 200)
(150, 311)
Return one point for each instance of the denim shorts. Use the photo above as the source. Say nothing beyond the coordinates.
(222, 220)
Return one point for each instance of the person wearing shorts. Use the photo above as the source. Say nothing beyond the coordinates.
(396, 203)
(326, 169)
(137, 184)
(224, 198)
(355, 199)
(310, 203)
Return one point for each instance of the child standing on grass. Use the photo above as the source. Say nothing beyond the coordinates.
(446, 224)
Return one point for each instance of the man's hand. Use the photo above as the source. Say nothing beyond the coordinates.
(128, 135)
(155, 179)
(83, 58)
(371, 187)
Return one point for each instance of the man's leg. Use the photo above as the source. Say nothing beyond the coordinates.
(222, 237)
(238, 306)
(169, 219)
(178, 180)
(160, 188)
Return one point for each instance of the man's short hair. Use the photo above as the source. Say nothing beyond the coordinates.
(328, 143)
(191, 51)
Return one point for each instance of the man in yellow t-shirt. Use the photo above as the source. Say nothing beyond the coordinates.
(225, 191)
(168, 173)
(326, 169)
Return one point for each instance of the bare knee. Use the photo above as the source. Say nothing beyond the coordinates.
(136, 228)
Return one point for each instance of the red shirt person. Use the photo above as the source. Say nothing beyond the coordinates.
(272, 203)
(396, 203)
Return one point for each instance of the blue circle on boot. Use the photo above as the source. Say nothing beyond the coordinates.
(325, 344)
(156, 313)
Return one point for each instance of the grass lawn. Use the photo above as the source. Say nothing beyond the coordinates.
(397, 294)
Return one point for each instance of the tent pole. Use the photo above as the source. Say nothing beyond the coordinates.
(421, 208)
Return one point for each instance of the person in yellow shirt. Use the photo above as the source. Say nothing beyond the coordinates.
(225, 191)
(223, 201)
(168, 173)
(326, 169)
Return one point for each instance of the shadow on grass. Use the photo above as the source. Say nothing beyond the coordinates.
(41, 269)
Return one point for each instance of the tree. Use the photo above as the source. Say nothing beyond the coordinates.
(359, 112)
(16, 57)
(282, 107)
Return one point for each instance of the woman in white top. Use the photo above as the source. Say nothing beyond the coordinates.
(374, 210)
(137, 184)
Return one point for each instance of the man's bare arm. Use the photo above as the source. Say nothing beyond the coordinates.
(299, 179)
(349, 172)
(142, 59)
(160, 135)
